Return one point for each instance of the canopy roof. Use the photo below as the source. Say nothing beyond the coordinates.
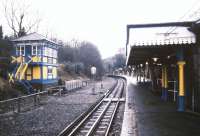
(145, 41)
(160, 36)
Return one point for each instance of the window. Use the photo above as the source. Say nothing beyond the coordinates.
(22, 53)
(39, 50)
(20, 50)
(34, 50)
(55, 53)
(46, 51)
(50, 60)
(50, 52)
(50, 72)
(54, 61)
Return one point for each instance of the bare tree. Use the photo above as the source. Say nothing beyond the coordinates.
(18, 17)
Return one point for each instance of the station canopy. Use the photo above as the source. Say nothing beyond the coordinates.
(145, 41)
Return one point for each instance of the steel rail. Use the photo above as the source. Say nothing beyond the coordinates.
(118, 94)
(91, 130)
(114, 90)
(94, 126)
(78, 126)
(115, 110)
(81, 123)
(83, 115)
(121, 92)
(75, 127)
(119, 87)
(112, 118)
(77, 120)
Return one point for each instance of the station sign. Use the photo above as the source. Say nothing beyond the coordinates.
(93, 70)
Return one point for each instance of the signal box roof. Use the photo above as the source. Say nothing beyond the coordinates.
(33, 37)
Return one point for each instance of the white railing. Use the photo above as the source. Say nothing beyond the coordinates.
(173, 89)
(75, 84)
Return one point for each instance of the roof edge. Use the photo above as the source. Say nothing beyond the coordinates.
(188, 23)
(43, 38)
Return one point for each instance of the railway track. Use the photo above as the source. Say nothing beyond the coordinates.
(98, 120)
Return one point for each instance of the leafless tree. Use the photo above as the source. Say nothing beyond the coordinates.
(19, 19)
(82, 55)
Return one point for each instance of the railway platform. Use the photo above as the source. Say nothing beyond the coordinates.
(147, 115)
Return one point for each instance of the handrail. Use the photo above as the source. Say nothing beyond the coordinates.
(14, 104)
(20, 66)
(23, 71)
(23, 97)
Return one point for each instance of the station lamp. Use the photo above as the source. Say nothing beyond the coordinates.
(155, 59)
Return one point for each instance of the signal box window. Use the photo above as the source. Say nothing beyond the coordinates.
(50, 72)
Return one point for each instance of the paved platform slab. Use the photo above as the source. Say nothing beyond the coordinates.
(129, 127)
(147, 115)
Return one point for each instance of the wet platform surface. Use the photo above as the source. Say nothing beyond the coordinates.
(155, 117)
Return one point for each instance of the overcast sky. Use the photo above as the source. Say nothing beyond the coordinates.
(103, 22)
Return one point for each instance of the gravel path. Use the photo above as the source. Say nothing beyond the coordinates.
(54, 114)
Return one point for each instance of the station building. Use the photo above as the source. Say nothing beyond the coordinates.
(36, 60)
(167, 54)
